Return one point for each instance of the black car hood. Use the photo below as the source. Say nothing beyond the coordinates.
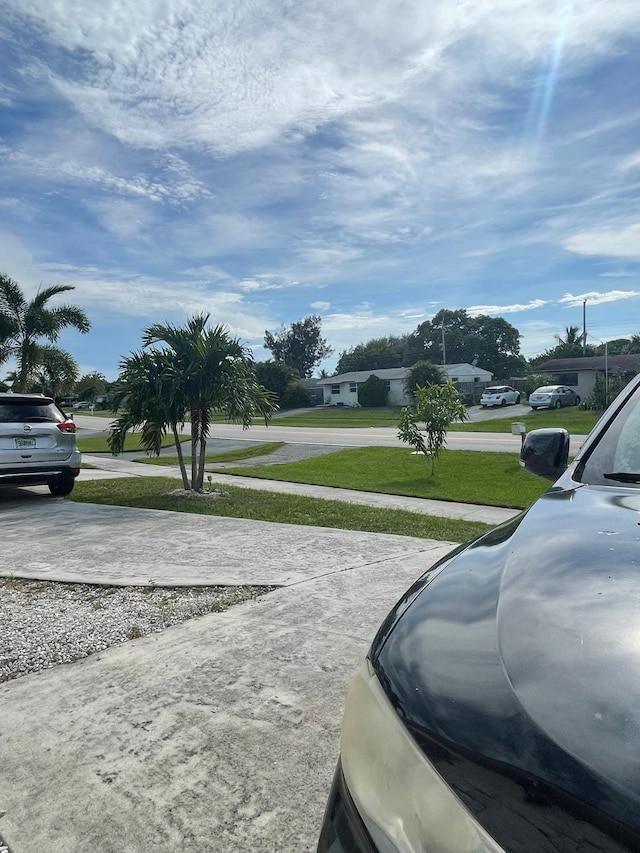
(569, 625)
(520, 653)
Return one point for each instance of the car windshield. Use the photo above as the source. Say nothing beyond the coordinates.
(616, 457)
(32, 411)
(494, 390)
(546, 389)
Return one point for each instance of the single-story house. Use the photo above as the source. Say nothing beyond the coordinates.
(343, 389)
(580, 373)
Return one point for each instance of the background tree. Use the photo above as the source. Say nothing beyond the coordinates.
(24, 324)
(373, 393)
(436, 406)
(492, 342)
(195, 371)
(284, 383)
(633, 346)
(620, 346)
(91, 385)
(376, 354)
(56, 374)
(299, 345)
(569, 346)
(423, 373)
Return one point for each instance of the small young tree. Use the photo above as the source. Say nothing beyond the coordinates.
(373, 393)
(436, 406)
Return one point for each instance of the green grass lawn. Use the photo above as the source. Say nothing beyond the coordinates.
(98, 443)
(494, 479)
(229, 456)
(97, 413)
(152, 493)
(573, 419)
(347, 416)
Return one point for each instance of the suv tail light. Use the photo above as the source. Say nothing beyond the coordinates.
(67, 426)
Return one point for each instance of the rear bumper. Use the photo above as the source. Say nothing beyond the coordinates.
(37, 476)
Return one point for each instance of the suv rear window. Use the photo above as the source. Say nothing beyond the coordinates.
(34, 411)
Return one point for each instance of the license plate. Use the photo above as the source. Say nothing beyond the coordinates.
(25, 442)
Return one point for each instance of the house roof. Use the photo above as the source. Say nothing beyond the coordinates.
(465, 367)
(624, 363)
(363, 375)
(395, 373)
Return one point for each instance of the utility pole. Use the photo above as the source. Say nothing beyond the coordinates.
(584, 327)
(442, 346)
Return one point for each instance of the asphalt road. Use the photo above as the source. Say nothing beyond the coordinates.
(362, 437)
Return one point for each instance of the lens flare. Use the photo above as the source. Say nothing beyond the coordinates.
(542, 96)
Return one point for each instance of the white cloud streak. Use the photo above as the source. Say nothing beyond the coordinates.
(594, 297)
(507, 309)
(619, 242)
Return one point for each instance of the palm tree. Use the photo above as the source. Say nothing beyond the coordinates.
(24, 324)
(196, 371)
(57, 373)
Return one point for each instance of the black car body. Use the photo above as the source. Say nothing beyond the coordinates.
(499, 706)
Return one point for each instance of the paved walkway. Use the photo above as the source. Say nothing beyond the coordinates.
(110, 467)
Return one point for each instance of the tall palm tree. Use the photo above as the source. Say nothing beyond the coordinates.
(195, 371)
(24, 324)
(57, 373)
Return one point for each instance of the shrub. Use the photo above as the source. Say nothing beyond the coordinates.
(295, 396)
(373, 393)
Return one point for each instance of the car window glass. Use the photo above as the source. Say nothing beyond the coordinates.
(619, 448)
(30, 411)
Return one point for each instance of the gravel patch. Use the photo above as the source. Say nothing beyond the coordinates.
(45, 624)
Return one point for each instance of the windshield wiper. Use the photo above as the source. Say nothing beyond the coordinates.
(623, 477)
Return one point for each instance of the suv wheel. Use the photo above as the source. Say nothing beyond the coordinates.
(61, 487)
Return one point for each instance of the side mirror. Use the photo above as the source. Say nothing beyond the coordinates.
(545, 452)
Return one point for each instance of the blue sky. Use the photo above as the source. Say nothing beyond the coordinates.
(372, 162)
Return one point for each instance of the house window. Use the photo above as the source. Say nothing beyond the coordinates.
(353, 387)
(568, 378)
(335, 389)
(387, 384)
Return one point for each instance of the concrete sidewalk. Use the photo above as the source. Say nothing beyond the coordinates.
(110, 466)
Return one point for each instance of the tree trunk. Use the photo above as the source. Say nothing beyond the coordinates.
(201, 461)
(195, 430)
(183, 470)
(25, 359)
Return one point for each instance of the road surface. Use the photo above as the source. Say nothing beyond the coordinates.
(363, 437)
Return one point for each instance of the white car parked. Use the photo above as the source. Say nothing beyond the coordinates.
(499, 395)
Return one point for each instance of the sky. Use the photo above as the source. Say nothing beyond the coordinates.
(369, 162)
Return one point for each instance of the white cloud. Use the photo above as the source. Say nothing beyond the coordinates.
(507, 309)
(164, 73)
(619, 274)
(321, 306)
(597, 298)
(57, 167)
(334, 256)
(621, 242)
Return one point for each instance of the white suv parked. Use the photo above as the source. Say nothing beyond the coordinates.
(37, 443)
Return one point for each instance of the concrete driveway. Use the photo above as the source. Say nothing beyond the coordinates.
(220, 734)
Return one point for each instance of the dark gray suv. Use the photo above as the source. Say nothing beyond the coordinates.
(37, 443)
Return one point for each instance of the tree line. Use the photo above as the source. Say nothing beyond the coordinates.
(30, 329)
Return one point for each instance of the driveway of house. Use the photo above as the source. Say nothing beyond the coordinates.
(219, 734)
